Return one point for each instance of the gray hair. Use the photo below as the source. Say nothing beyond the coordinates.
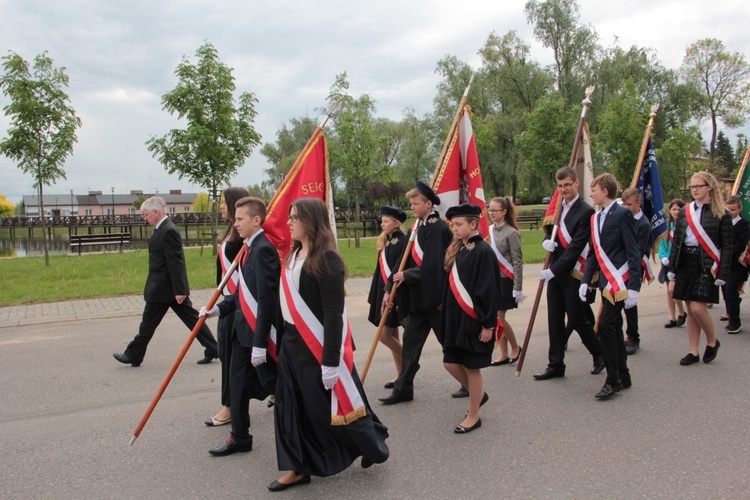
(155, 203)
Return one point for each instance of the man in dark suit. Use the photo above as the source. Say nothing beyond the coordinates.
(420, 287)
(563, 279)
(254, 307)
(738, 269)
(166, 287)
(631, 199)
(616, 255)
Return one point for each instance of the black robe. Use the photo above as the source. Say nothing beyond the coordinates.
(394, 251)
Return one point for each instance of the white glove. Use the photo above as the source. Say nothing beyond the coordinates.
(582, 291)
(212, 313)
(665, 261)
(549, 245)
(720, 282)
(670, 276)
(546, 275)
(632, 299)
(518, 296)
(330, 376)
(258, 356)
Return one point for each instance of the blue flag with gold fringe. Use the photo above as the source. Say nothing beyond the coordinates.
(649, 185)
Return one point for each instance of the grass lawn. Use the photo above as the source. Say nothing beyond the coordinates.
(25, 280)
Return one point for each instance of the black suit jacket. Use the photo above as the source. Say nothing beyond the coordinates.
(740, 235)
(260, 271)
(643, 234)
(578, 222)
(167, 274)
(620, 243)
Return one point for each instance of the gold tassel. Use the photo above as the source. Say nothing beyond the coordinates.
(348, 419)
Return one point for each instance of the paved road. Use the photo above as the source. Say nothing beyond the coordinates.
(69, 412)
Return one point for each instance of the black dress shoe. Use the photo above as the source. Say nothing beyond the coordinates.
(389, 385)
(608, 391)
(232, 446)
(366, 463)
(396, 397)
(505, 361)
(207, 359)
(690, 359)
(549, 373)
(599, 365)
(460, 429)
(670, 324)
(681, 319)
(277, 486)
(710, 353)
(513, 360)
(124, 359)
(462, 392)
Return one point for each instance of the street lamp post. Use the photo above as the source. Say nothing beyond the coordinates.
(71, 203)
(113, 208)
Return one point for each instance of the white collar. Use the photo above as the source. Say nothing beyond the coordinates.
(566, 204)
(638, 215)
(160, 222)
(252, 238)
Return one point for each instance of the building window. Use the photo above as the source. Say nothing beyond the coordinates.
(171, 210)
(131, 211)
(88, 211)
(185, 209)
(109, 211)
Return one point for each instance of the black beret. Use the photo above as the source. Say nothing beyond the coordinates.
(395, 212)
(463, 210)
(428, 193)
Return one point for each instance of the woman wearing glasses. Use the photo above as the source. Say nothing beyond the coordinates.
(699, 261)
(506, 243)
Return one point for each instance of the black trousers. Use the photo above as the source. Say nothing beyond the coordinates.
(731, 293)
(613, 343)
(562, 299)
(224, 343)
(631, 316)
(416, 331)
(153, 313)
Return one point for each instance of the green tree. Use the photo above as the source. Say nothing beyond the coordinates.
(621, 128)
(202, 203)
(557, 26)
(546, 144)
(43, 124)
(724, 81)
(139, 201)
(678, 159)
(417, 155)
(290, 141)
(354, 148)
(739, 148)
(20, 209)
(219, 136)
(725, 163)
(7, 209)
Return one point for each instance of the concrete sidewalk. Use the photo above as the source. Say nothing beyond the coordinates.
(112, 307)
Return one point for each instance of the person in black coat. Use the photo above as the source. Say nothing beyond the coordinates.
(322, 418)
(471, 299)
(253, 306)
(738, 267)
(420, 287)
(563, 279)
(696, 270)
(231, 243)
(166, 287)
(631, 199)
(391, 245)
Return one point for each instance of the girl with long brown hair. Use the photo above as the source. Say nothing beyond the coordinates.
(665, 248)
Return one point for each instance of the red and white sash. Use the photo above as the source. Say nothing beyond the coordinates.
(416, 251)
(565, 239)
(505, 267)
(461, 293)
(225, 265)
(249, 307)
(745, 257)
(385, 270)
(700, 234)
(616, 278)
(346, 401)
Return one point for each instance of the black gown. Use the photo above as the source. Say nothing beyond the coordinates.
(306, 442)
(226, 323)
(480, 275)
(394, 251)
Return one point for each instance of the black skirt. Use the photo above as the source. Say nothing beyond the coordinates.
(692, 281)
(507, 301)
(306, 442)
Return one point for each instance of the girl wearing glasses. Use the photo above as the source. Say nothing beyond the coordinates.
(699, 261)
(665, 248)
(506, 241)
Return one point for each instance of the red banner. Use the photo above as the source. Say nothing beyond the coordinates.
(307, 179)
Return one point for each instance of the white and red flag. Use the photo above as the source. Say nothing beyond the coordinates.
(459, 178)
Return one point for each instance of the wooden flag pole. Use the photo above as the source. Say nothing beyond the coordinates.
(644, 145)
(738, 180)
(186, 346)
(586, 103)
(435, 177)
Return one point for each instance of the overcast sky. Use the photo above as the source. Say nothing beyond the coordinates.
(121, 57)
